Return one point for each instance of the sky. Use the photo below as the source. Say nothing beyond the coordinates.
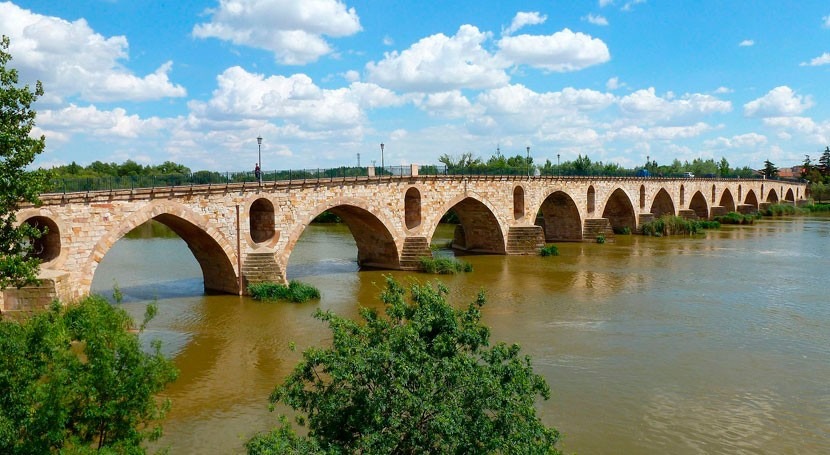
(321, 81)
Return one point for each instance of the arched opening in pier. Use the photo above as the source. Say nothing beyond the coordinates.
(662, 204)
(620, 212)
(362, 242)
(714, 194)
(560, 218)
(592, 200)
(727, 201)
(698, 204)
(642, 197)
(48, 246)
(751, 199)
(261, 220)
(412, 208)
(518, 202)
(790, 197)
(740, 193)
(772, 196)
(476, 230)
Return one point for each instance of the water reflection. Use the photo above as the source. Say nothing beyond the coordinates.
(713, 344)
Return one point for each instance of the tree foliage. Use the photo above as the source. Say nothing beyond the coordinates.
(17, 150)
(76, 380)
(423, 379)
(770, 171)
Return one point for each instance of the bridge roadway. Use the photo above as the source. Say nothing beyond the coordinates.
(245, 232)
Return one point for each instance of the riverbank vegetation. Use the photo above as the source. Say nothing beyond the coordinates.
(421, 379)
(296, 291)
(549, 250)
(76, 379)
(737, 218)
(444, 266)
(676, 225)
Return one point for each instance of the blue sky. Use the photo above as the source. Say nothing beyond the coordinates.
(196, 82)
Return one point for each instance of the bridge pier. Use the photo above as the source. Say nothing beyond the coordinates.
(525, 240)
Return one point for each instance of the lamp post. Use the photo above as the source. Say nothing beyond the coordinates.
(648, 162)
(259, 146)
(381, 157)
(527, 161)
(358, 160)
(558, 169)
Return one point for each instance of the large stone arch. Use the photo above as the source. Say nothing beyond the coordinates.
(727, 201)
(376, 245)
(560, 218)
(662, 204)
(214, 253)
(620, 211)
(772, 196)
(479, 230)
(699, 205)
(751, 199)
(789, 197)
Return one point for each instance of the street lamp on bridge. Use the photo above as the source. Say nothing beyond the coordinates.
(527, 161)
(558, 169)
(259, 159)
(381, 158)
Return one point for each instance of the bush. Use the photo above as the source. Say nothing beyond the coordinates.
(780, 209)
(445, 266)
(817, 208)
(295, 291)
(549, 250)
(736, 218)
(601, 238)
(673, 225)
(625, 230)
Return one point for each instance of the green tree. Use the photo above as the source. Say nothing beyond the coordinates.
(17, 150)
(423, 379)
(76, 380)
(824, 162)
(723, 167)
(769, 171)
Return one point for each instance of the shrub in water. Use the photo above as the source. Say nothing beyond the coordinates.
(549, 250)
(673, 225)
(445, 266)
(735, 218)
(625, 230)
(600, 238)
(780, 209)
(295, 291)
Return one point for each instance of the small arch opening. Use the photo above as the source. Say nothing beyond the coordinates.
(740, 193)
(261, 220)
(592, 199)
(48, 247)
(518, 202)
(682, 196)
(412, 208)
(714, 194)
(642, 197)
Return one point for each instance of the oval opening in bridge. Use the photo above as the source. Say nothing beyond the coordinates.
(48, 246)
(518, 202)
(412, 208)
(262, 220)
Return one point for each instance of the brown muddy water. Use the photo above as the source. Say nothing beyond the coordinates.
(712, 344)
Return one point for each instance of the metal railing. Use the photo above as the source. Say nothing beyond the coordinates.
(83, 184)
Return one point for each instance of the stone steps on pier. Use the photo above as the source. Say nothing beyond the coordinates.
(594, 227)
(525, 240)
(261, 267)
(414, 248)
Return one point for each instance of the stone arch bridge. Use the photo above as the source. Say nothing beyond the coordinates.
(245, 232)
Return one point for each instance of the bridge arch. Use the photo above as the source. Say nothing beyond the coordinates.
(699, 205)
(591, 199)
(412, 208)
(727, 201)
(789, 197)
(620, 211)
(772, 196)
(261, 222)
(642, 197)
(376, 246)
(560, 218)
(479, 229)
(214, 253)
(740, 193)
(518, 202)
(751, 199)
(714, 194)
(662, 204)
(682, 196)
(49, 247)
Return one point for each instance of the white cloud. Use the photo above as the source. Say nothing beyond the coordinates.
(604, 3)
(723, 90)
(826, 20)
(292, 30)
(742, 141)
(746, 43)
(804, 127)
(562, 51)
(523, 19)
(388, 41)
(664, 133)
(89, 120)
(778, 102)
(823, 59)
(613, 83)
(439, 63)
(646, 105)
(73, 60)
(448, 104)
(596, 20)
(630, 4)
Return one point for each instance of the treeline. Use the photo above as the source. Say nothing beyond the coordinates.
(125, 169)
(818, 175)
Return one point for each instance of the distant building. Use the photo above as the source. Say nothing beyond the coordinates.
(790, 172)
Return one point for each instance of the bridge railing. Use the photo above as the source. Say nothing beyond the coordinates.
(83, 184)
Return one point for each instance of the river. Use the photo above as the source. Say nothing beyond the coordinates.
(712, 344)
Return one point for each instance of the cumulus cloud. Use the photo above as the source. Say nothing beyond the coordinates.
(596, 20)
(604, 3)
(450, 104)
(778, 102)
(646, 105)
(523, 19)
(560, 52)
(73, 60)
(746, 43)
(826, 20)
(90, 120)
(723, 90)
(439, 63)
(822, 59)
(741, 141)
(613, 83)
(292, 30)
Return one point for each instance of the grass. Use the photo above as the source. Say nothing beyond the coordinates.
(549, 250)
(817, 208)
(736, 218)
(780, 209)
(295, 291)
(675, 225)
(444, 266)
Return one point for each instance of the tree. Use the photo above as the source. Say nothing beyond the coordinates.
(723, 167)
(769, 171)
(17, 150)
(76, 380)
(824, 162)
(423, 379)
